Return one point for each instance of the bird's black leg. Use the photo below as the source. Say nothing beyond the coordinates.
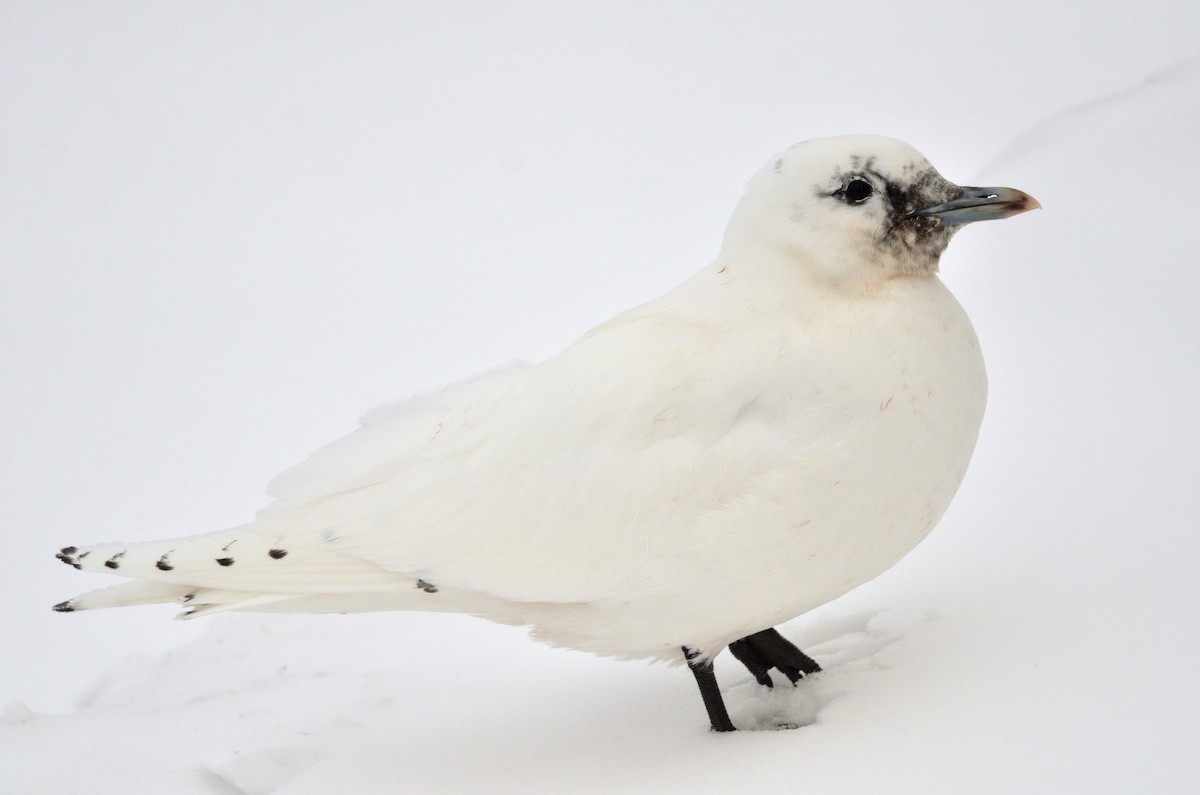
(753, 660)
(768, 649)
(707, 680)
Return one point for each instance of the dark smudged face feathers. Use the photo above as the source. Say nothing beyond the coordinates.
(924, 237)
(913, 242)
(850, 211)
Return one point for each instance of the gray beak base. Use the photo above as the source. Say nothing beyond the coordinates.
(981, 204)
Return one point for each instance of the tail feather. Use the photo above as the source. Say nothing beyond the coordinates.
(138, 592)
(308, 579)
(207, 601)
(199, 601)
(229, 570)
(142, 560)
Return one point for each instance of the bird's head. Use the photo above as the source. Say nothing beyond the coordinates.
(858, 209)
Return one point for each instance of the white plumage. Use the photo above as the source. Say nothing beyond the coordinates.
(780, 428)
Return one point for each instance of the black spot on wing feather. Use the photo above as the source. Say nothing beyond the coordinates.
(64, 607)
(277, 553)
(115, 561)
(163, 564)
(427, 587)
(224, 561)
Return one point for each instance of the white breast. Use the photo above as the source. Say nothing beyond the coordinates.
(868, 463)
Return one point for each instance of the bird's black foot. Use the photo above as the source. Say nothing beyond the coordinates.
(707, 680)
(759, 652)
(765, 650)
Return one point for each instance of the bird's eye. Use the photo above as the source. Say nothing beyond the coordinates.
(856, 191)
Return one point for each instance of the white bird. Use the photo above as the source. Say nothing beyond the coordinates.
(777, 430)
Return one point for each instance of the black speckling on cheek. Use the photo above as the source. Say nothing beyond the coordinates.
(277, 553)
(928, 189)
(917, 239)
(224, 561)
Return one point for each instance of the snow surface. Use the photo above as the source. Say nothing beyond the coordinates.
(228, 230)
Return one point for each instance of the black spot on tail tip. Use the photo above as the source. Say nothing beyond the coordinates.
(224, 561)
(277, 553)
(64, 607)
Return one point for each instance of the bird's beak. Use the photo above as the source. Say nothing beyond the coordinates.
(981, 204)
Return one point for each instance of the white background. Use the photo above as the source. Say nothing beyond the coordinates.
(228, 229)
